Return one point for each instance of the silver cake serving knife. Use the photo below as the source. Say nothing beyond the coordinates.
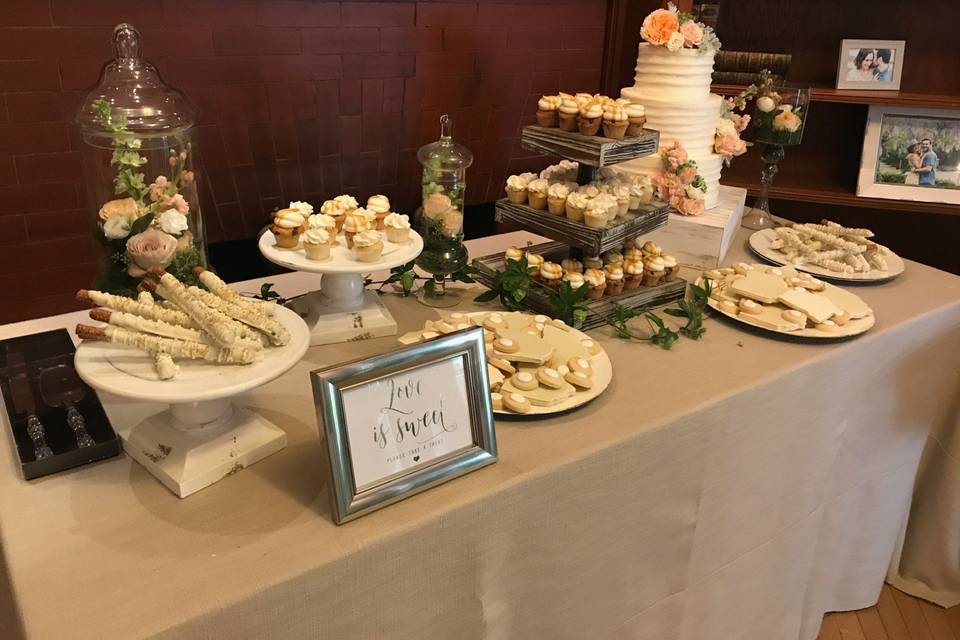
(23, 403)
(61, 387)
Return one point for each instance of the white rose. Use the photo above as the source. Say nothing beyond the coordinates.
(725, 127)
(694, 193)
(172, 222)
(765, 104)
(116, 227)
(675, 43)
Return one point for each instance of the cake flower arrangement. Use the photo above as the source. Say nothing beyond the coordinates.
(148, 226)
(678, 30)
(776, 121)
(679, 183)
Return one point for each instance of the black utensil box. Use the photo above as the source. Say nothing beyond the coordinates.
(31, 355)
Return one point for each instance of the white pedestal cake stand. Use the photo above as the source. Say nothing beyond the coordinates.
(203, 437)
(342, 310)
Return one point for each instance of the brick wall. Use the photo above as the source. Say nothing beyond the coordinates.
(300, 99)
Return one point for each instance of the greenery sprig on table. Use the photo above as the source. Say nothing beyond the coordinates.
(404, 278)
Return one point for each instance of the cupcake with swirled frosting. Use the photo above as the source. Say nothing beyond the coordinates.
(379, 205)
(615, 280)
(354, 223)
(590, 118)
(615, 121)
(547, 108)
(335, 210)
(557, 198)
(636, 117)
(287, 226)
(367, 246)
(575, 206)
(517, 188)
(537, 193)
(567, 114)
(316, 244)
(641, 192)
(325, 222)
(632, 274)
(550, 274)
(597, 281)
(397, 227)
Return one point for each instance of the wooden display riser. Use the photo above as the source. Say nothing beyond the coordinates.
(538, 297)
(595, 151)
(577, 234)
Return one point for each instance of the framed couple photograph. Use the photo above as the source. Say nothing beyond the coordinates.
(911, 154)
(871, 65)
(402, 422)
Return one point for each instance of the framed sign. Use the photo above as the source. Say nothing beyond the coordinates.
(404, 421)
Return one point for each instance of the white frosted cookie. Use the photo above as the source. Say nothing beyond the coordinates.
(828, 326)
(591, 346)
(794, 317)
(750, 307)
(847, 301)
(817, 307)
(516, 402)
(579, 379)
(760, 286)
(728, 306)
(524, 381)
(550, 377)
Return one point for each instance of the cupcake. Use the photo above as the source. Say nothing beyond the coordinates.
(589, 190)
(517, 188)
(615, 280)
(583, 98)
(335, 210)
(650, 248)
(347, 203)
(622, 193)
(537, 193)
(325, 222)
(671, 268)
(557, 198)
(615, 122)
(367, 246)
(550, 274)
(571, 265)
(287, 226)
(595, 215)
(636, 118)
(575, 279)
(547, 108)
(397, 227)
(380, 207)
(593, 262)
(567, 114)
(641, 192)
(436, 205)
(631, 253)
(608, 204)
(633, 274)
(612, 258)
(534, 262)
(653, 271)
(512, 253)
(305, 208)
(316, 244)
(353, 224)
(575, 206)
(596, 281)
(591, 115)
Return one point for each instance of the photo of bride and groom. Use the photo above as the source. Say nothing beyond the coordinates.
(919, 152)
(870, 64)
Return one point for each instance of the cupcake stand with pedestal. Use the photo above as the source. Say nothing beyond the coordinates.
(591, 152)
(342, 310)
(202, 436)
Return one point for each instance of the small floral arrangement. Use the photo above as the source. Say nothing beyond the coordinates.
(726, 139)
(680, 183)
(677, 30)
(775, 120)
(149, 226)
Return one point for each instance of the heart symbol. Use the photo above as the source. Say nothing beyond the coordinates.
(416, 458)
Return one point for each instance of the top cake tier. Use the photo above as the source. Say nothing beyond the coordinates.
(673, 75)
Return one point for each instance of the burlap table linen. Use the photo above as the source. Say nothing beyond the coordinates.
(734, 488)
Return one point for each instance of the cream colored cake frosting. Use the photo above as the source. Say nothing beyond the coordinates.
(674, 88)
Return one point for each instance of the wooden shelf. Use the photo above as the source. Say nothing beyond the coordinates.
(848, 96)
(842, 198)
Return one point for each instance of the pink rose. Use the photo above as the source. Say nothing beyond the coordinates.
(177, 202)
(148, 250)
(687, 175)
(186, 176)
(730, 145)
(659, 26)
(692, 33)
(666, 184)
(740, 122)
(687, 206)
(676, 155)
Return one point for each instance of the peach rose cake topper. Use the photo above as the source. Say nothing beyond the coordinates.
(678, 30)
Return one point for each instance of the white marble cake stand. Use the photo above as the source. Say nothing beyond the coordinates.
(342, 310)
(202, 437)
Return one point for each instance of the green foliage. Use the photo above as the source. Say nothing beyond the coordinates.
(568, 303)
(125, 156)
(511, 285)
(267, 293)
(693, 309)
(406, 278)
(183, 263)
(890, 177)
(140, 224)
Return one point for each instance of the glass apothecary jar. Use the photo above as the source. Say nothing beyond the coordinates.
(137, 157)
(444, 183)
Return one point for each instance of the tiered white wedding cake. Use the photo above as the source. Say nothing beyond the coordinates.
(674, 88)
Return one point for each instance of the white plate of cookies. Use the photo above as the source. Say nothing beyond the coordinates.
(786, 301)
(536, 365)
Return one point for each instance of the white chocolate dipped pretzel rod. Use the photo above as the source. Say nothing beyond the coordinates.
(222, 290)
(174, 348)
(210, 320)
(246, 314)
(833, 227)
(129, 305)
(160, 328)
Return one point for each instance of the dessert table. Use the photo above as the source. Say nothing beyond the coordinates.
(734, 488)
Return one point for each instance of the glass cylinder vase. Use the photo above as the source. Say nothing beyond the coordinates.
(138, 162)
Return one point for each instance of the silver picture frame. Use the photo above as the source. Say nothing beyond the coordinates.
(329, 384)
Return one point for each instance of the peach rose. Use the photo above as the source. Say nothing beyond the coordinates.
(687, 206)
(126, 207)
(675, 155)
(740, 122)
(787, 121)
(659, 26)
(667, 184)
(692, 33)
(730, 145)
(148, 250)
(687, 175)
(435, 205)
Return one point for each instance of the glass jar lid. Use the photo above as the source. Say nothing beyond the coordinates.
(133, 89)
(445, 154)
